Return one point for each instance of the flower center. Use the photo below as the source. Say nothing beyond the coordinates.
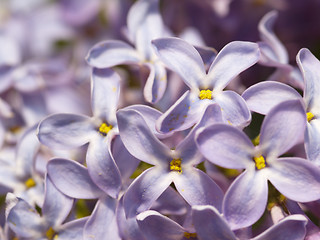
(310, 116)
(205, 94)
(260, 162)
(104, 129)
(190, 235)
(29, 183)
(175, 165)
(50, 234)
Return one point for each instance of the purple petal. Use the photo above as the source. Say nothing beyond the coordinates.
(292, 176)
(263, 96)
(312, 141)
(111, 53)
(10, 52)
(139, 139)
(158, 227)
(183, 114)
(56, 206)
(65, 131)
(208, 222)
(197, 188)
(72, 179)
(246, 199)
(145, 189)
(105, 94)
(182, 58)
(223, 69)
(268, 36)
(310, 67)
(292, 227)
(225, 146)
(282, 128)
(102, 167)
(73, 229)
(156, 83)
(234, 108)
(102, 221)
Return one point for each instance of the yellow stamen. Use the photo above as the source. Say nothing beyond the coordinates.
(260, 162)
(310, 116)
(256, 140)
(50, 233)
(205, 94)
(190, 235)
(30, 183)
(105, 128)
(175, 165)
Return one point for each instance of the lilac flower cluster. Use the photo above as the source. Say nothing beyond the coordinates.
(114, 125)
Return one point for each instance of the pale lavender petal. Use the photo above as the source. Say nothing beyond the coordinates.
(223, 69)
(170, 203)
(102, 222)
(10, 52)
(282, 128)
(111, 53)
(292, 227)
(5, 78)
(145, 189)
(65, 131)
(268, 56)
(209, 223)
(8, 176)
(225, 146)
(293, 176)
(197, 188)
(312, 141)
(72, 179)
(156, 83)
(56, 206)
(234, 108)
(102, 167)
(182, 58)
(25, 221)
(158, 227)
(139, 139)
(268, 36)
(105, 94)
(126, 163)
(183, 114)
(246, 199)
(263, 96)
(310, 67)
(72, 230)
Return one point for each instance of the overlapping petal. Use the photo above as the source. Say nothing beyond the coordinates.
(312, 141)
(145, 189)
(246, 199)
(223, 69)
(72, 179)
(182, 58)
(197, 188)
(225, 146)
(292, 176)
(263, 96)
(72, 229)
(215, 228)
(105, 94)
(65, 131)
(282, 128)
(111, 53)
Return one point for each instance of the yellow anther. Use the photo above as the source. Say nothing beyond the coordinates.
(205, 94)
(50, 233)
(175, 165)
(105, 128)
(260, 162)
(256, 140)
(190, 235)
(310, 116)
(30, 183)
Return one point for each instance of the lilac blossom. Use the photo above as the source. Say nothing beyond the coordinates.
(175, 165)
(205, 88)
(227, 146)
